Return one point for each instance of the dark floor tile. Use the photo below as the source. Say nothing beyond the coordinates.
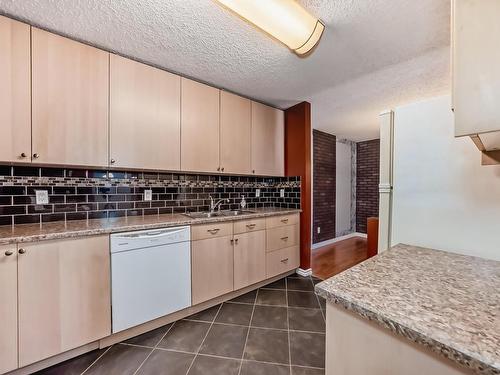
(322, 303)
(225, 341)
(270, 317)
(151, 338)
(235, 313)
(278, 284)
(74, 366)
(167, 363)
(303, 299)
(271, 297)
(307, 371)
(307, 349)
(267, 346)
(260, 368)
(301, 319)
(185, 336)
(304, 284)
(204, 365)
(207, 315)
(119, 360)
(246, 298)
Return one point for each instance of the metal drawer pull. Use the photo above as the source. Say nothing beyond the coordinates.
(213, 231)
(284, 260)
(284, 238)
(9, 253)
(284, 221)
(236, 240)
(250, 226)
(22, 251)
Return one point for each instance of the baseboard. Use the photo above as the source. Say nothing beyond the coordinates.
(337, 239)
(304, 273)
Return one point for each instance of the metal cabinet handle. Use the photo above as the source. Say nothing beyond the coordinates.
(218, 169)
(284, 260)
(222, 169)
(232, 241)
(36, 156)
(250, 226)
(284, 220)
(284, 238)
(236, 240)
(22, 251)
(8, 253)
(253, 171)
(23, 154)
(112, 161)
(213, 231)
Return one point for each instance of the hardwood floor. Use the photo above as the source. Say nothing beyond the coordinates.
(329, 260)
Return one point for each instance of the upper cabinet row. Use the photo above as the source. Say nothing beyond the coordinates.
(85, 107)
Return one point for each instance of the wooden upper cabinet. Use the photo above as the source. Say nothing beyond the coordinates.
(145, 106)
(199, 127)
(8, 308)
(268, 140)
(476, 66)
(69, 101)
(64, 296)
(15, 92)
(235, 134)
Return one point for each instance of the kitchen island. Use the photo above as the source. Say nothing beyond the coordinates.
(413, 310)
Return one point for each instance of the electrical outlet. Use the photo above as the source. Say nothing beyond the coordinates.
(257, 193)
(148, 195)
(319, 230)
(282, 193)
(42, 197)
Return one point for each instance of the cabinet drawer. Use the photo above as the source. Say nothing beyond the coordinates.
(279, 221)
(244, 226)
(201, 232)
(281, 237)
(283, 260)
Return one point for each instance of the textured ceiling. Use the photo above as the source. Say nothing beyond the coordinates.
(373, 52)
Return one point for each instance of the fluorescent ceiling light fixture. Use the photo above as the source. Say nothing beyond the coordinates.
(285, 20)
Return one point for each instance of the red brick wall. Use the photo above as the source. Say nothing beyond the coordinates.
(324, 169)
(367, 180)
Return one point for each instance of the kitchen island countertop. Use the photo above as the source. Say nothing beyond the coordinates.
(447, 302)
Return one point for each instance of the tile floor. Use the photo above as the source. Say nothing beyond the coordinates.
(276, 330)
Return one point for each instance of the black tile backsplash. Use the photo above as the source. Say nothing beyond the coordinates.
(79, 194)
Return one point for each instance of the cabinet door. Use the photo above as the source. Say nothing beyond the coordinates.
(211, 268)
(249, 258)
(475, 66)
(8, 308)
(70, 101)
(15, 106)
(235, 134)
(199, 127)
(64, 296)
(268, 140)
(145, 110)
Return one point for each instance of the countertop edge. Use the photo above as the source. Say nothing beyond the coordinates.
(138, 226)
(453, 354)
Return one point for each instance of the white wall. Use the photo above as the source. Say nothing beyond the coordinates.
(443, 197)
(343, 189)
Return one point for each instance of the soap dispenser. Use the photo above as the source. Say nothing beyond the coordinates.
(243, 202)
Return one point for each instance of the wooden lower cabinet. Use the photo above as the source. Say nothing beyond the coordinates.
(282, 260)
(249, 258)
(211, 268)
(8, 308)
(63, 296)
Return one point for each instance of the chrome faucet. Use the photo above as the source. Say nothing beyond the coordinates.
(214, 206)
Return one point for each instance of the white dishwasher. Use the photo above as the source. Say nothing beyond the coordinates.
(150, 275)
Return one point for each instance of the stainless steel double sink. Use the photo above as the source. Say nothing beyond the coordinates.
(206, 215)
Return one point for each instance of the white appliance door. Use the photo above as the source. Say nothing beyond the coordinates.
(149, 283)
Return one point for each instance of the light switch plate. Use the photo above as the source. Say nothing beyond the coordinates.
(42, 197)
(148, 195)
(282, 193)
(257, 193)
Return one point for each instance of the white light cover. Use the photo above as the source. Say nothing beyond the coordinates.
(285, 20)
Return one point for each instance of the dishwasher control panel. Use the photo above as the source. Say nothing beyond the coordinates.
(147, 238)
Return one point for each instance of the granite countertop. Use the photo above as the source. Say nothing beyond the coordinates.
(447, 302)
(80, 228)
